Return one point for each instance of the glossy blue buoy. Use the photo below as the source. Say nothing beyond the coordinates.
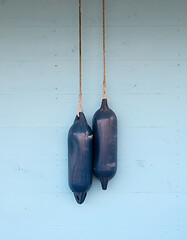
(104, 144)
(80, 158)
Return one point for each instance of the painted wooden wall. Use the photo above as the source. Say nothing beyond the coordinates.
(146, 45)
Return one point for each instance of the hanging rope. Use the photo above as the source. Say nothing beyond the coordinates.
(80, 79)
(104, 65)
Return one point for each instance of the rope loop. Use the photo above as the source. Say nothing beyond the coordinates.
(104, 94)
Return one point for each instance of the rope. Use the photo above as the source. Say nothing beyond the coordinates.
(80, 77)
(104, 65)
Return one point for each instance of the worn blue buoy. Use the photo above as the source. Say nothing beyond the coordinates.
(104, 144)
(80, 141)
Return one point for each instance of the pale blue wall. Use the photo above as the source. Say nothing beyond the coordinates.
(146, 44)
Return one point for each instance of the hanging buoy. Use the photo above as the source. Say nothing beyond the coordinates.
(104, 133)
(80, 145)
(105, 144)
(80, 158)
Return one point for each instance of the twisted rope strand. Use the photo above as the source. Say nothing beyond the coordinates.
(80, 77)
(104, 64)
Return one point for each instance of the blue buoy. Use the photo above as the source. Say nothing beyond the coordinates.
(104, 144)
(80, 141)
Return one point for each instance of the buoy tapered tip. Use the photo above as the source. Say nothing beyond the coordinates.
(104, 183)
(80, 197)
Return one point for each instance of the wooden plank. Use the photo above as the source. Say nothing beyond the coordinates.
(64, 13)
(27, 176)
(122, 43)
(157, 210)
(126, 231)
(124, 77)
(151, 110)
